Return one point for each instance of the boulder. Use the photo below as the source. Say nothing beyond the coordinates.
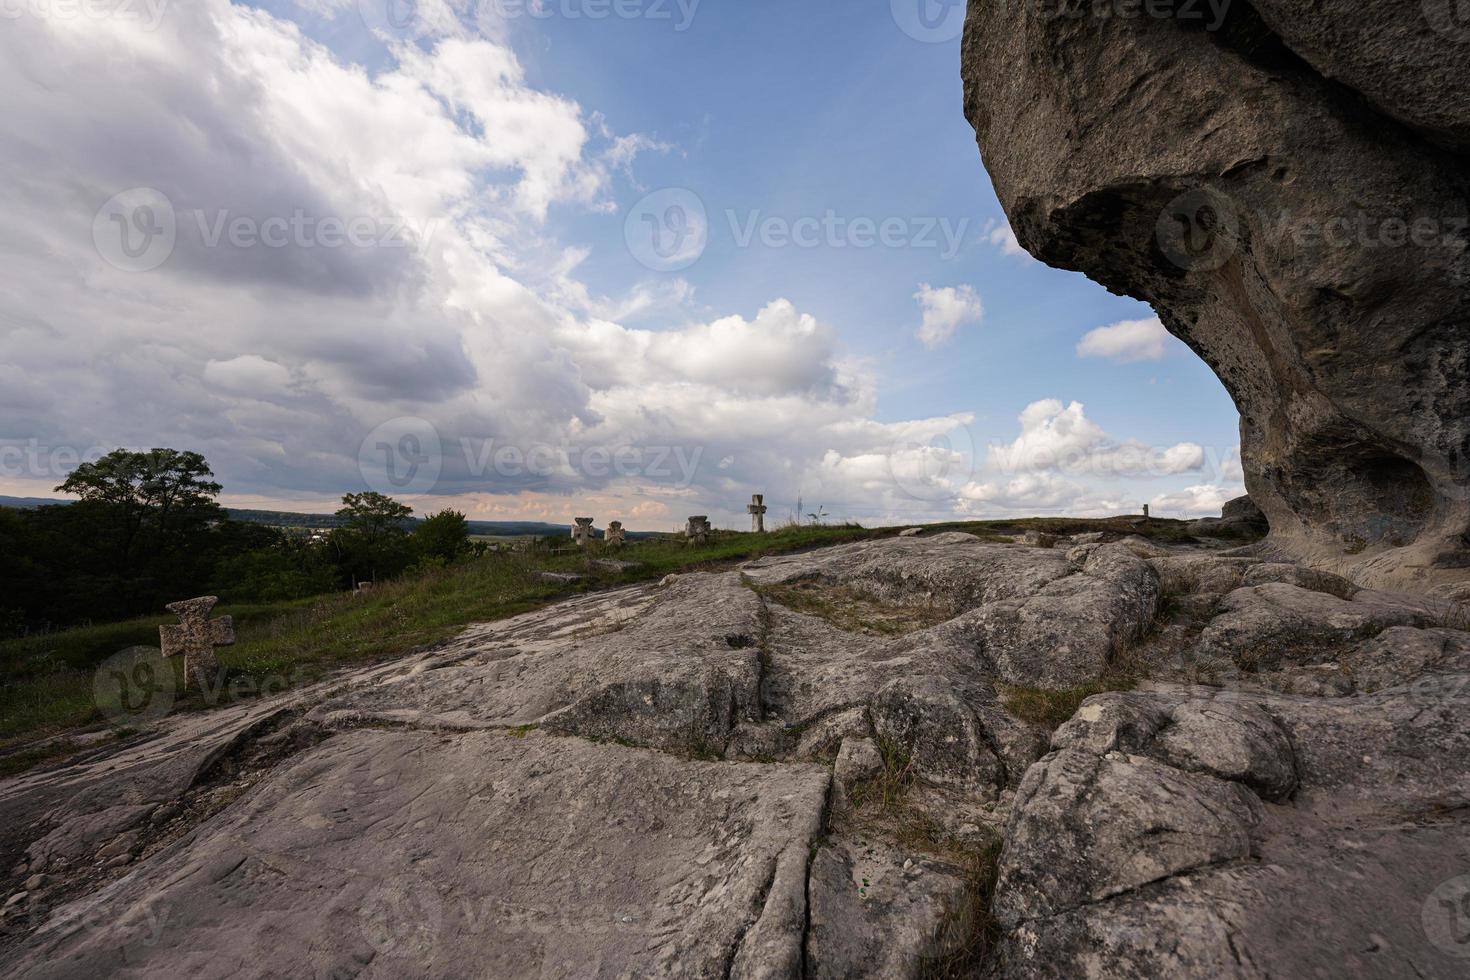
(1139, 848)
(1286, 184)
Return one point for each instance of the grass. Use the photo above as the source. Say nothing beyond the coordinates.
(48, 680)
(851, 610)
(969, 932)
(882, 806)
(1052, 709)
(1154, 529)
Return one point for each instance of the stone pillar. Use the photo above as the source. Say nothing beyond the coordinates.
(757, 511)
(697, 531)
(582, 532)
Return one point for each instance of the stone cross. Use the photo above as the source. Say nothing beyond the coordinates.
(1145, 510)
(698, 530)
(614, 536)
(582, 533)
(757, 511)
(196, 636)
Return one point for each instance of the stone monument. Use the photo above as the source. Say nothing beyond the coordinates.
(582, 532)
(698, 530)
(614, 536)
(757, 510)
(195, 636)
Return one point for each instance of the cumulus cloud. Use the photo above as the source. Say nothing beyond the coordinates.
(1061, 438)
(459, 310)
(1000, 235)
(1204, 500)
(1128, 341)
(945, 311)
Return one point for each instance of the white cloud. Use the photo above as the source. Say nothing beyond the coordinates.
(247, 375)
(277, 362)
(1128, 341)
(1000, 235)
(945, 311)
(1204, 500)
(1061, 438)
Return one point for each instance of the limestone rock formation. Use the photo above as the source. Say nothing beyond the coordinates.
(812, 765)
(1288, 185)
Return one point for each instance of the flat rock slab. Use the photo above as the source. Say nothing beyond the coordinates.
(393, 853)
(1036, 617)
(672, 667)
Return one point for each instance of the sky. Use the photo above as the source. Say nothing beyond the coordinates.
(537, 259)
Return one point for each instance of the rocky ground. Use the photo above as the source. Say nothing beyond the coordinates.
(868, 760)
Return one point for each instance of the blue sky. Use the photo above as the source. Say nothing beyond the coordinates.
(519, 321)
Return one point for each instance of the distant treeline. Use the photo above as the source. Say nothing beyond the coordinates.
(282, 518)
(147, 530)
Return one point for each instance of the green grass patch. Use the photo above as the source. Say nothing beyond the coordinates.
(1053, 708)
(970, 932)
(48, 680)
(1154, 529)
(852, 610)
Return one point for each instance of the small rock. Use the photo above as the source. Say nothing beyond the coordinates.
(559, 578)
(122, 860)
(121, 844)
(857, 760)
(34, 882)
(612, 565)
(1039, 539)
(16, 899)
(912, 532)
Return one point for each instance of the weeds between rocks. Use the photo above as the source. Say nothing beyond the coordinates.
(883, 807)
(851, 610)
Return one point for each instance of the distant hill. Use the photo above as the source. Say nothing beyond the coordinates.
(26, 503)
(281, 518)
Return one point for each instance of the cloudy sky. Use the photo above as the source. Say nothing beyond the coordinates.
(635, 259)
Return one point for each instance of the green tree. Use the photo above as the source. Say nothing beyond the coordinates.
(373, 540)
(443, 535)
(374, 515)
(146, 518)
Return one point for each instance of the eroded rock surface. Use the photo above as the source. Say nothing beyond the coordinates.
(1287, 185)
(696, 779)
(1190, 831)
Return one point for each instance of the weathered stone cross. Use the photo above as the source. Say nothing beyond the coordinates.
(757, 511)
(582, 533)
(196, 636)
(614, 534)
(697, 530)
